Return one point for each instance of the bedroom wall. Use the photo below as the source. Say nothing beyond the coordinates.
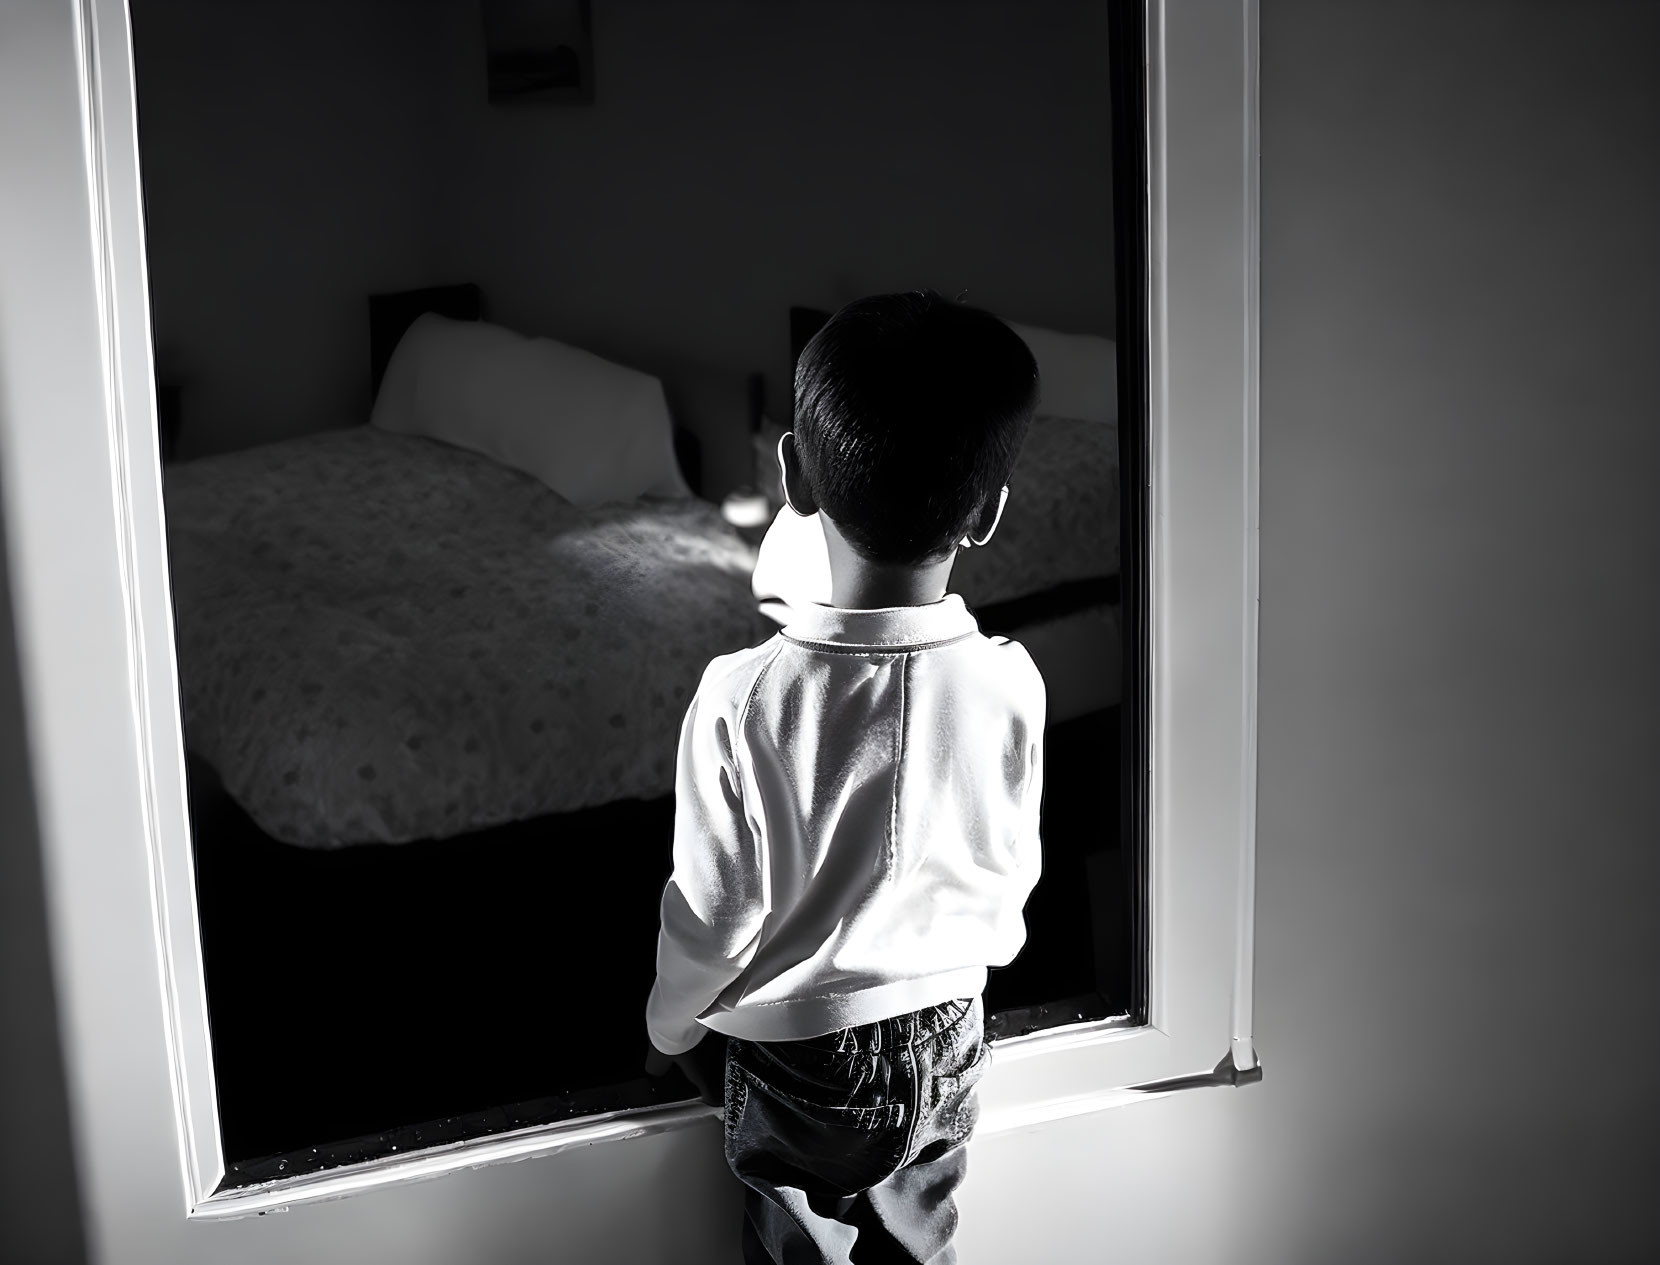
(1456, 940)
(286, 176)
(741, 157)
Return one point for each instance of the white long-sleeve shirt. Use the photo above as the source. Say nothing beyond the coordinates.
(856, 825)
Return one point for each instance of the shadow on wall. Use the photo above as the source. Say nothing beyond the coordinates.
(40, 1218)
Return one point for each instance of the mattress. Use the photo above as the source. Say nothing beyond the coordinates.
(383, 638)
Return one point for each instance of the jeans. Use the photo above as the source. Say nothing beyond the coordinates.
(851, 1145)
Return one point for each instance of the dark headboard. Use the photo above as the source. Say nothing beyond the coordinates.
(804, 323)
(391, 315)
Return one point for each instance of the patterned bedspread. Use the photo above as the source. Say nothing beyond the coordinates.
(383, 638)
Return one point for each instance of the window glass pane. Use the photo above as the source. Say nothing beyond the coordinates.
(417, 924)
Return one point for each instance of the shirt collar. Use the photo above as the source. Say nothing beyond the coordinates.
(889, 628)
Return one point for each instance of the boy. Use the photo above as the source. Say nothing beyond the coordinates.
(856, 825)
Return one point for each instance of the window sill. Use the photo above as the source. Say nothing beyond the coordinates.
(1034, 1079)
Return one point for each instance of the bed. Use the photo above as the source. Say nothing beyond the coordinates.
(423, 627)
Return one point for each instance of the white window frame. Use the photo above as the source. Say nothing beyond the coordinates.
(82, 494)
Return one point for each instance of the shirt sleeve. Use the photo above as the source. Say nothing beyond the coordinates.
(1026, 854)
(715, 901)
(1029, 849)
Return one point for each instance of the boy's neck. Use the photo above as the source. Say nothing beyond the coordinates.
(856, 583)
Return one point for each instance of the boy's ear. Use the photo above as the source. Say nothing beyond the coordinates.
(797, 494)
(985, 525)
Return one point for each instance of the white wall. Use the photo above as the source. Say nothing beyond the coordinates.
(1456, 936)
(39, 1207)
(1459, 811)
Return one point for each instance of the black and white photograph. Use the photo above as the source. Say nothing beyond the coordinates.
(828, 631)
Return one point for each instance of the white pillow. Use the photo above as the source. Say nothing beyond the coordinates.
(593, 431)
(1079, 373)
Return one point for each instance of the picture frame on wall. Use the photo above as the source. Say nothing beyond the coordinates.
(539, 51)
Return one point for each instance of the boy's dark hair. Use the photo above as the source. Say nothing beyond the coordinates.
(910, 411)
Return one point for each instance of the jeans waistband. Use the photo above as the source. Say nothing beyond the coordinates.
(916, 1025)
